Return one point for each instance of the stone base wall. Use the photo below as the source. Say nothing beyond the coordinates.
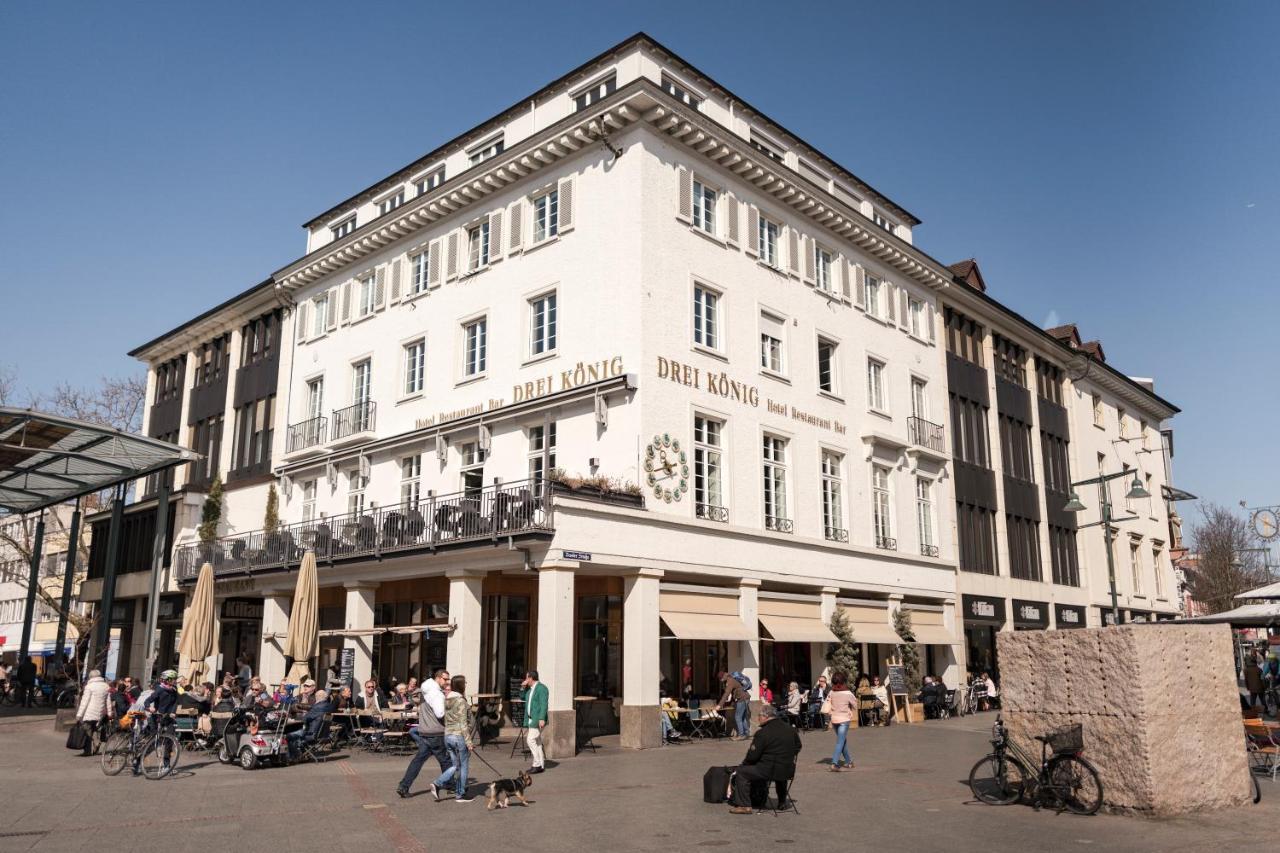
(1158, 704)
(641, 726)
(559, 738)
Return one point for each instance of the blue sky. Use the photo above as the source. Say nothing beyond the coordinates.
(1109, 164)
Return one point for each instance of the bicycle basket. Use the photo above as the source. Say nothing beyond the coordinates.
(1067, 739)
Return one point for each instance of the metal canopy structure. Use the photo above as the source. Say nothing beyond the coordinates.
(47, 460)
(1245, 616)
(1270, 591)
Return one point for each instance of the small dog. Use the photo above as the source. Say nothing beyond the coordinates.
(501, 790)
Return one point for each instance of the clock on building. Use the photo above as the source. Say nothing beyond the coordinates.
(1265, 524)
(666, 468)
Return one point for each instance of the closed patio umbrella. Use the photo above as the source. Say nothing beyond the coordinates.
(303, 640)
(197, 626)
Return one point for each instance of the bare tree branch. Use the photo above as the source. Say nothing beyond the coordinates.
(1221, 571)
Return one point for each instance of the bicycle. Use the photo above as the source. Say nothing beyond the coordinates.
(1065, 780)
(149, 743)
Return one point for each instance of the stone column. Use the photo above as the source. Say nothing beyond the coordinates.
(818, 651)
(953, 675)
(462, 653)
(749, 650)
(555, 657)
(641, 671)
(276, 606)
(360, 615)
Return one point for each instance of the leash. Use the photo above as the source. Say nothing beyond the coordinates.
(476, 754)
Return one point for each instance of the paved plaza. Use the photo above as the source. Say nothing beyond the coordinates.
(907, 793)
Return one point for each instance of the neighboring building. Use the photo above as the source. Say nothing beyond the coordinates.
(15, 570)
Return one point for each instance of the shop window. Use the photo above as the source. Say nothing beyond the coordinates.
(598, 666)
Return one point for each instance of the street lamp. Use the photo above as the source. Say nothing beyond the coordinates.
(1136, 490)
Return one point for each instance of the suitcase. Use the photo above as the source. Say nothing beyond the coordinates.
(715, 784)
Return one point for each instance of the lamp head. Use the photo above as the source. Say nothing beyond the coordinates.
(1073, 503)
(1136, 489)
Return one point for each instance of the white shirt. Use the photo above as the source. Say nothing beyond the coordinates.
(991, 688)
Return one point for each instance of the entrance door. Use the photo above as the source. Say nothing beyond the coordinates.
(505, 654)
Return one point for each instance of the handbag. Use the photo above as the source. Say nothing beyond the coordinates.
(77, 737)
(825, 708)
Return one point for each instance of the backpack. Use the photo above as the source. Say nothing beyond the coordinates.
(741, 679)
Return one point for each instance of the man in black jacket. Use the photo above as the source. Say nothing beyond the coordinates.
(771, 758)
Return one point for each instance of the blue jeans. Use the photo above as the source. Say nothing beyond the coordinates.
(817, 720)
(459, 758)
(666, 724)
(742, 718)
(428, 745)
(842, 748)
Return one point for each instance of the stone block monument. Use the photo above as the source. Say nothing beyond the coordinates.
(1159, 705)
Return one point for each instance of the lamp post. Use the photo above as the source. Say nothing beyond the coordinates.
(1073, 504)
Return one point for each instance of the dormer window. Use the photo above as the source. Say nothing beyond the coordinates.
(487, 151)
(766, 146)
(882, 221)
(430, 181)
(343, 228)
(596, 92)
(680, 92)
(390, 203)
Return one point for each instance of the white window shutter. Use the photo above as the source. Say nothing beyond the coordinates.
(808, 246)
(433, 264)
(495, 236)
(846, 279)
(380, 289)
(300, 321)
(346, 303)
(793, 252)
(451, 265)
(516, 224)
(731, 208)
(565, 203)
(890, 297)
(753, 231)
(859, 287)
(929, 320)
(903, 320)
(332, 314)
(395, 280)
(685, 210)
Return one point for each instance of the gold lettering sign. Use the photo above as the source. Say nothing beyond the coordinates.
(720, 384)
(583, 373)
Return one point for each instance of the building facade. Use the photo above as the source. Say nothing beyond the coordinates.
(17, 535)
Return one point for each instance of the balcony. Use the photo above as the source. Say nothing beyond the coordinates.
(928, 550)
(836, 534)
(778, 524)
(886, 543)
(925, 434)
(488, 514)
(305, 435)
(711, 512)
(354, 422)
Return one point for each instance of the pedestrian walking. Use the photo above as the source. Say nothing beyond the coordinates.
(26, 677)
(1253, 681)
(735, 695)
(457, 738)
(430, 736)
(843, 706)
(93, 707)
(534, 694)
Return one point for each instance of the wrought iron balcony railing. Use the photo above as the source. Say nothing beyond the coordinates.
(491, 513)
(778, 524)
(306, 434)
(836, 534)
(711, 512)
(354, 419)
(886, 543)
(929, 550)
(925, 434)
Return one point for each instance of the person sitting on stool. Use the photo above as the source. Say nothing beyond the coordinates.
(771, 758)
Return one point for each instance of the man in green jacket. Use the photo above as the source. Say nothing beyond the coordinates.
(534, 696)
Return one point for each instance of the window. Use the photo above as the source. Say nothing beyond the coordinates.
(822, 268)
(258, 338)
(775, 484)
(420, 267)
(1048, 382)
(355, 492)
(704, 207)
(542, 440)
(430, 181)
(1097, 410)
(597, 92)
(976, 532)
(411, 480)
(542, 324)
(368, 295)
(478, 246)
(415, 362)
(766, 146)
(882, 509)
(1062, 556)
(1024, 547)
(919, 398)
(826, 366)
(964, 337)
(833, 497)
(485, 152)
(706, 317)
(1144, 433)
(1010, 360)
(1121, 422)
(678, 91)
(1057, 474)
(1135, 567)
(361, 376)
(315, 398)
(1125, 483)
(768, 233)
(924, 517)
(206, 439)
(254, 430)
(473, 457)
(917, 322)
(320, 315)
(474, 358)
(546, 216)
(308, 500)
(390, 203)
(875, 386)
(772, 330)
(872, 288)
(708, 470)
(1015, 449)
(883, 221)
(1157, 555)
(969, 439)
(343, 228)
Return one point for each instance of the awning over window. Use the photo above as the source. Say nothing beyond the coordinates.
(870, 624)
(353, 632)
(418, 629)
(794, 621)
(928, 628)
(703, 616)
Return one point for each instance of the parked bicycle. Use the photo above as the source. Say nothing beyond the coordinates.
(149, 743)
(1065, 779)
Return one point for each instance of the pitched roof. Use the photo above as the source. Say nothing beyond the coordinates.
(1094, 348)
(967, 271)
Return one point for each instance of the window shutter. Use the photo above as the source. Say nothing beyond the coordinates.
(859, 287)
(809, 246)
(731, 207)
(380, 289)
(753, 231)
(930, 320)
(566, 205)
(433, 265)
(300, 321)
(685, 211)
(346, 303)
(332, 314)
(903, 320)
(846, 279)
(495, 236)
(517, 226)
(395, 280)
(890, 297)
(793, 252)
(451, 267)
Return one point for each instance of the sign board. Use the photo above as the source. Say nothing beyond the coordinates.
(1030, 614)
(981, 609)
(1108, 618)
(581, 556)
(347, 667)
(899, 698)
(1068, 616)
(241, 609)
(898, 679)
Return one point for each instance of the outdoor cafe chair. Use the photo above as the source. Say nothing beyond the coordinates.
(1263, 743)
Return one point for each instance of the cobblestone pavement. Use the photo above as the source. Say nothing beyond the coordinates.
(908, 792)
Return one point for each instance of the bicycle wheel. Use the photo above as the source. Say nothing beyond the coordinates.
(1075, 783)
(1269, 703)
(115, 754)
(998, 781)
(160, 756)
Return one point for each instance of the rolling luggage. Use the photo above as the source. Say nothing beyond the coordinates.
(715, 784)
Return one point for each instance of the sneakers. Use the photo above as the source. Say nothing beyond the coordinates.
(537, 769)
(465, 798)
(434, 792)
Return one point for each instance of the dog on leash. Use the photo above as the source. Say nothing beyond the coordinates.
(503, 789)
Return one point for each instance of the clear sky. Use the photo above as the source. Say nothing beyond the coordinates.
(1109, 164)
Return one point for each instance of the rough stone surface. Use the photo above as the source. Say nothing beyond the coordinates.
(559, 738)
(1157, 702)
(641, 727)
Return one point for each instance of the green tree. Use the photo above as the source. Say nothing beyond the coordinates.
(908, 652)
(846, 655)
(271, 519)
(211, 512)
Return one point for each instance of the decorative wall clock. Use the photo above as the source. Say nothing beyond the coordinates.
(666, 468)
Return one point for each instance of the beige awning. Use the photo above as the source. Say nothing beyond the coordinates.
(274, 635)
(870, 625)
(707, 626)
(352, 632)
(927, 627)
(793, 629)
(418, 629)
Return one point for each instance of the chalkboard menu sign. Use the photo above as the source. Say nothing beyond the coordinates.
(898, 679)
(347, 667)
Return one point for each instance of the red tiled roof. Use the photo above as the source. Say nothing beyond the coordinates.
(1094, 348)
(967, 271)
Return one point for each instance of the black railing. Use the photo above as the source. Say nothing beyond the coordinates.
(504, 510)
(354, 419)
(778, 524)
(929, 550)
(886, 543)
(711, 512)
(836, 534)
(306, 434)
(924, 433)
